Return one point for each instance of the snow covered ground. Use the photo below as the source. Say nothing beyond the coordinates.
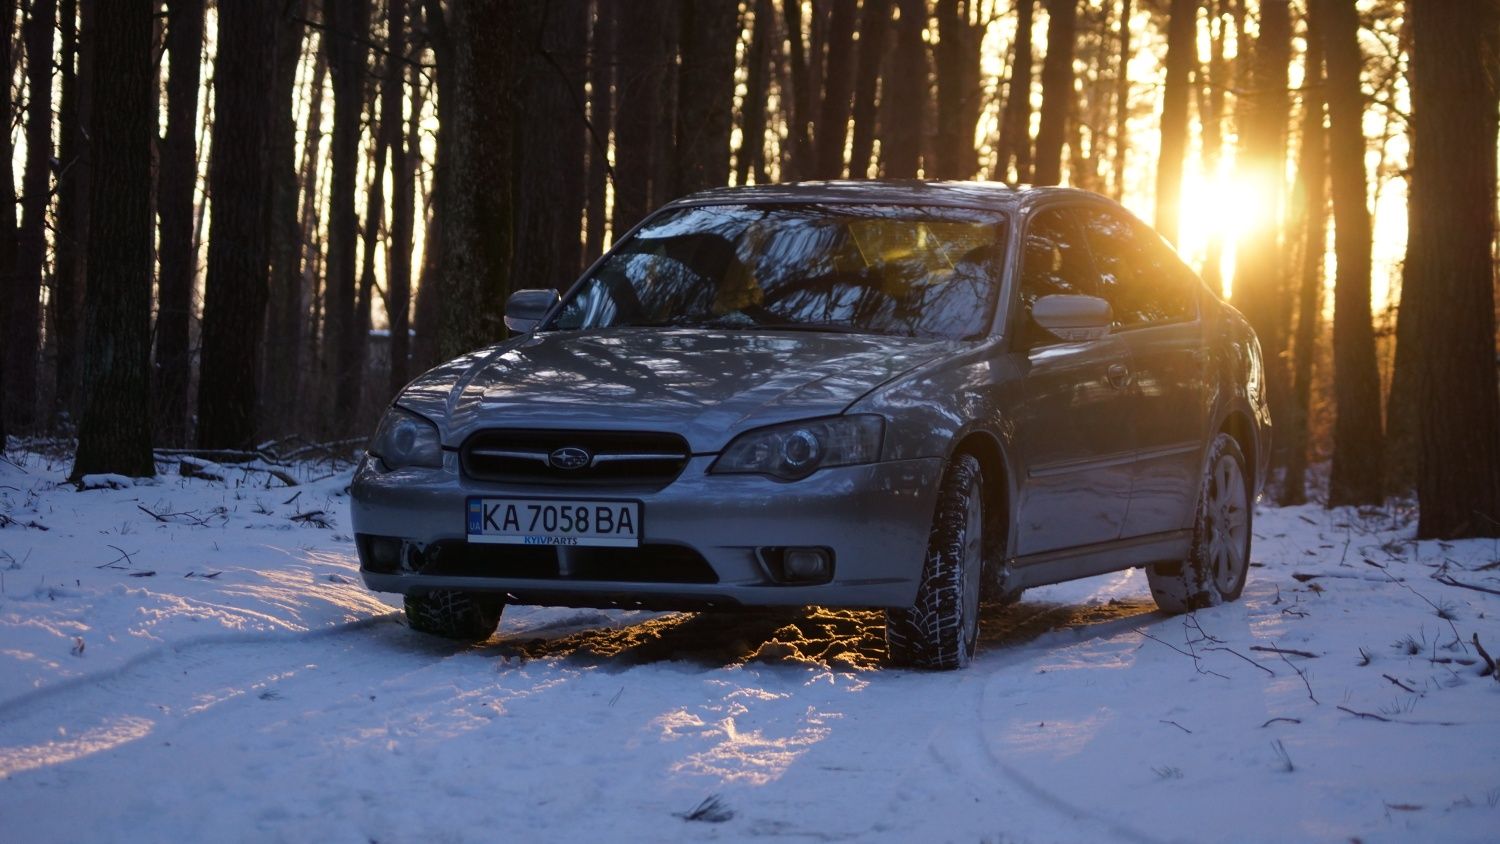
(185, 659)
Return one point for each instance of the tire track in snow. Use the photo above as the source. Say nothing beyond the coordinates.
(188, 645)
(969, 753)
(88, 714)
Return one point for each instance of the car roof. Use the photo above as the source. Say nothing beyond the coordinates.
(995, 195)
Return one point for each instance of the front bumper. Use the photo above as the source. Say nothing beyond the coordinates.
(875, 520)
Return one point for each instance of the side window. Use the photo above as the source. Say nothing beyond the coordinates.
(1143, 279)
(1054, 260)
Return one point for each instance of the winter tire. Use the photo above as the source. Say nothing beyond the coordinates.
(939, 630)
(465, 616)
(1217, 565)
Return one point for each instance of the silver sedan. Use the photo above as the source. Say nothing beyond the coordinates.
(860, 394)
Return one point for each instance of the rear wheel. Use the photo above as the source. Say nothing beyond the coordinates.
(1216, 568)
(939, 630)
(466, 616)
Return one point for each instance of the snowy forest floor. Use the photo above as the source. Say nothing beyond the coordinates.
(191, 659)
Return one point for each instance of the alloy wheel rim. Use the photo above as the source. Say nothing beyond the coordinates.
(1229, 524)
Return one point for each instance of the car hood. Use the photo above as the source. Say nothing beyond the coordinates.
(707, 386)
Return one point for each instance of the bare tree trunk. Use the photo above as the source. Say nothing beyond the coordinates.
(1357, 441)
(347, 26)
(427, 310)
(1211, 115)
(874, 22)
(374, 215)
(959, 92)
(235, 291)
(403, 189)
(67, 279)
(550, 150)
(641, 58)
(280, 376)
(705, 101)
(7, 214)
(601, 117)
(901, 144)
(1454, 97)
(1122, 103)
(1057, 90)
(1260, 269)
(308, 238)
(177, 180)
(751, 156)
(115, 432)
(838, 85)
(475, 115)
(799, 116)
(1182, 55)
(1312, 190)
(1401, 403)
(1015, 120)
(24, 331)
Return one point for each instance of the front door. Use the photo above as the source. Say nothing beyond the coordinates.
(1072, 433)
(1154, 297)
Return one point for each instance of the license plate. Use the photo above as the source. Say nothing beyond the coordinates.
(550, 521)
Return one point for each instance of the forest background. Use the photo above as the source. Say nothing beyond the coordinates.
(240, 221)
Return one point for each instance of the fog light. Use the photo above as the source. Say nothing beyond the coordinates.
(805, 564)
(380, 553)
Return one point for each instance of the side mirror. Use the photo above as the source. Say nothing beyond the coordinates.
(525, 308)
(1073, 318)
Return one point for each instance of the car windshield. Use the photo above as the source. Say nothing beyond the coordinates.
(902, 271)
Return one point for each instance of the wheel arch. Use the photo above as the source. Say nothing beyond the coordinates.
(994, 464)
(1241, 429)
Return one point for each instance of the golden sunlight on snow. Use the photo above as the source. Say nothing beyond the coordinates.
(14, 760)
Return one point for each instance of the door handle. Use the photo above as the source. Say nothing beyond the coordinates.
(1119, 376)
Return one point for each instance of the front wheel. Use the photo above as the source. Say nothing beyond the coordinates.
(1219, 561)
(939, 630)
(465, 616)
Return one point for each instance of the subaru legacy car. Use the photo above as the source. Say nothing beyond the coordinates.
(894, 395)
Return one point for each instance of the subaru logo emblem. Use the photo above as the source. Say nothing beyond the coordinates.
(569, 457)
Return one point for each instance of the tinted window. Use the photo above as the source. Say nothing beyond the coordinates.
(921, 272)
(1143, 279)
(1054, 261)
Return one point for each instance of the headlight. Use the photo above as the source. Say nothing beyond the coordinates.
(797, 450)
(406, 439)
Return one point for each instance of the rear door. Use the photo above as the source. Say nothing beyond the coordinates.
(1072, 431)
(1154, 297)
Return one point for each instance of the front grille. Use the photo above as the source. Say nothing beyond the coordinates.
(603, 458)
(646, 564)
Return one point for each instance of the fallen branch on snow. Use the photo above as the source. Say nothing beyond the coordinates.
(312, 517)
(190, 466)
(1245, 658)
(1489, 662)
(1401, 684)
(1197, 660)
(1448, 580)
(1300, 673)
(1274, 650)
(1373, 717)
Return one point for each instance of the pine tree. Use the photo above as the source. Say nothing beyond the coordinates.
(114, 434)
(235, 289)
(1454, 98)
(1357, 442)
(176, 180)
